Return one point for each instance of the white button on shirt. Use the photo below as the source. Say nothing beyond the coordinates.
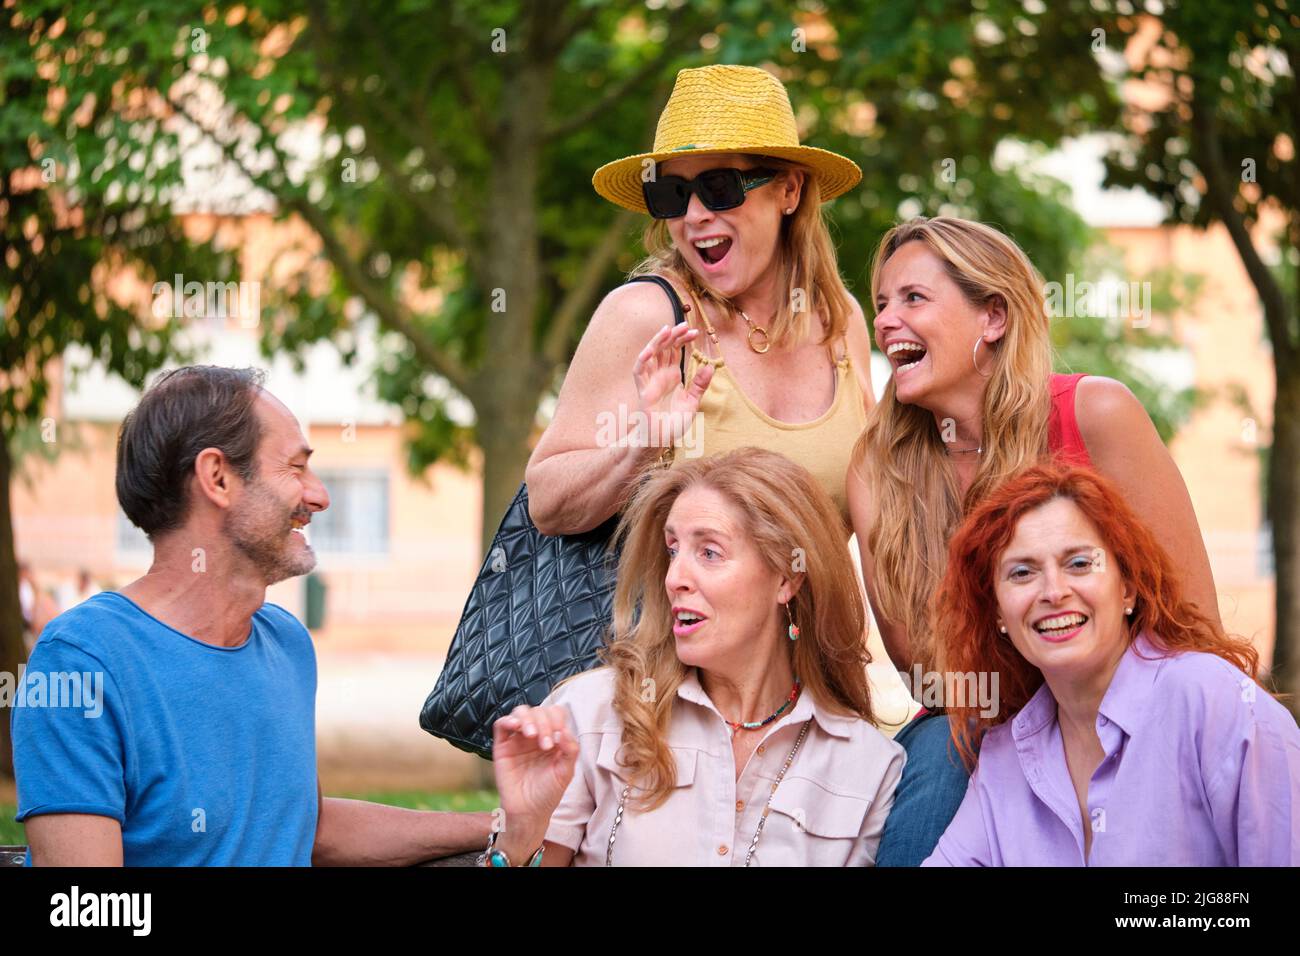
(829, 810)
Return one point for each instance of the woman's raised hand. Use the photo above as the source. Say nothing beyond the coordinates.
(533, 755)
(668, 406)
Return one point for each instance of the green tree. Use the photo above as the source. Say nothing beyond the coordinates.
(448, 147)
(1216, 145)
(82, 197)
(1234, 115)
(457, 142)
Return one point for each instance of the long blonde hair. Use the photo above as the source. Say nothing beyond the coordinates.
(795, 526)
(805, 259)
(915, 501)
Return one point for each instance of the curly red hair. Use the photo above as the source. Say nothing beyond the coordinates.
(965, 609)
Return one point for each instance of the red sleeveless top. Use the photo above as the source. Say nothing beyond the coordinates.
(1064, 439)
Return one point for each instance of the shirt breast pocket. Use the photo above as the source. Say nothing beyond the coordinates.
(664, 836)
(611, 745)
(811, 825)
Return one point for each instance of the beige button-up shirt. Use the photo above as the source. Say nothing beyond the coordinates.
(829, 810)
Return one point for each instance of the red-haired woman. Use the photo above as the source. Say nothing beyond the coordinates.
(1131, 730)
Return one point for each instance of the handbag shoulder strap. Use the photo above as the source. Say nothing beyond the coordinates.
(678, 316)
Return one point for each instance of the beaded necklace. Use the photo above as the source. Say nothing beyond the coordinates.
(756, 724)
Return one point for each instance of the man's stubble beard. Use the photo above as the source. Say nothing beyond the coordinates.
(260, 530)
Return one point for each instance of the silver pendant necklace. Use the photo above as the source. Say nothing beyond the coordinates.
(753, 844)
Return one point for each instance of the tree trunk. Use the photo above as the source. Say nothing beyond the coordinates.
(505, 453)
(1284, 516)
(12, 651)
(506, 391)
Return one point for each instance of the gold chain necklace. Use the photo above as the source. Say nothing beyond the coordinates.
(756, 330)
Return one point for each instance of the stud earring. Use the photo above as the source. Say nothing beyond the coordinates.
(789, 212)
(793, 631)
(1003, 628)
(1128, 610)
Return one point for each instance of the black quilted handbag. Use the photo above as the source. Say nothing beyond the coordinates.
(538, 613)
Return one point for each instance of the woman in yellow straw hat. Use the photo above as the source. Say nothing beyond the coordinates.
(737, 229)
(774, 352)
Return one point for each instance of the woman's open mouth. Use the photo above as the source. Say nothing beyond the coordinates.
(686, 623)
(712, 250)
(1060, 627)
(905, 355)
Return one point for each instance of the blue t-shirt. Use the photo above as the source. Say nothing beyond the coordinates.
(206, 755)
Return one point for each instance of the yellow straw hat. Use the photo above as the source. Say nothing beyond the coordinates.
(724, 109)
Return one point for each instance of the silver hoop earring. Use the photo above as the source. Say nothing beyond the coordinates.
(974, 362)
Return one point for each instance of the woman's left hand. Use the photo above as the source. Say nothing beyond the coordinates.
(533, 756)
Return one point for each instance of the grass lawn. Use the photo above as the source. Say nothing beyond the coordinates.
(465, 800)
(11, 834)
(461, 800)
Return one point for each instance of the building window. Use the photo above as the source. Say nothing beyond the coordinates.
(1264, 553)
(131, 541)
(356, 522)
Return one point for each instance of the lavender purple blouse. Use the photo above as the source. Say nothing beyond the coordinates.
(1201, 768)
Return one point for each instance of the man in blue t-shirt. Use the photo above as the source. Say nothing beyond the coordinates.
(172, 723)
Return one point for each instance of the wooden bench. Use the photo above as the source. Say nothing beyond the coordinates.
(14, 856)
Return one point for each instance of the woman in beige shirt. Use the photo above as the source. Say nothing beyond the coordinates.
(731, 724)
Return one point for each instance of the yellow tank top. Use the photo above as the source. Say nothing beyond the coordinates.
(728, 420)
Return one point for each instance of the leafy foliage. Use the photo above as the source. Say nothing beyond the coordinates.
(441, 154)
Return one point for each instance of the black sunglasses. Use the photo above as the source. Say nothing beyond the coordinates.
(668, 197)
